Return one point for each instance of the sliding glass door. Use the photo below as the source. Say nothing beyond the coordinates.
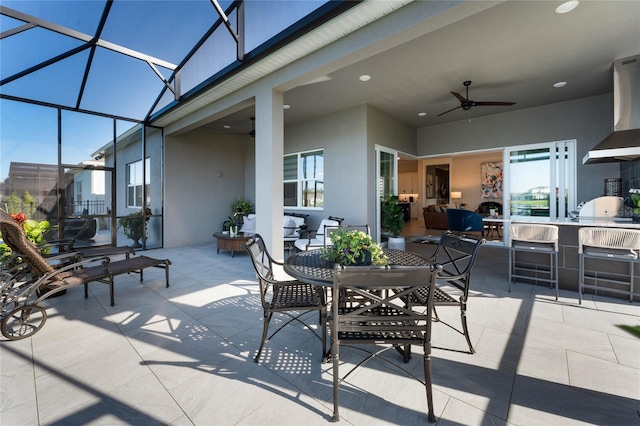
(386, 181)
(540, 179)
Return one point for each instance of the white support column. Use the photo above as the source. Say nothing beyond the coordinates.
(269, 142)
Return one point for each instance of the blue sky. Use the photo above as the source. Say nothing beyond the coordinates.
(116, 84)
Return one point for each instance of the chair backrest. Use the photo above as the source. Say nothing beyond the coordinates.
(485, 207)
(260, 257)
(14, 236)
(609, 238)
(533, 233)
(321, 233)
(457, 255)
(461, 220)
(361, 289)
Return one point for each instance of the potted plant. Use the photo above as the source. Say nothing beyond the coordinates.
(242, 207)
(393, 220)
(353, 247)
(232, 224)
(133, 225)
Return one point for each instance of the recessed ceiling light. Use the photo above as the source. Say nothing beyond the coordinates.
(365, 77)
(422, 114)
(567, 6)
(560, 84)
(226, 126)
(285, 106)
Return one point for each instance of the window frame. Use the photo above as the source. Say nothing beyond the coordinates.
(300, 180)
(136, 186)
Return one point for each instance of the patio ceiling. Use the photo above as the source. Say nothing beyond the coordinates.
(512, 51)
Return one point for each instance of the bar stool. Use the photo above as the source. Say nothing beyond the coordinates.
(617, 244)
(533, 238)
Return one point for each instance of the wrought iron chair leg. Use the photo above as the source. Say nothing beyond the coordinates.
(265, 329)
(465, 328)
(427, 379)
(111, 291)
(335, 350)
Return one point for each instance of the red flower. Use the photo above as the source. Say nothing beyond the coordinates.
(19, 217)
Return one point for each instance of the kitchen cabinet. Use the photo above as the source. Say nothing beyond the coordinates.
(407, 183)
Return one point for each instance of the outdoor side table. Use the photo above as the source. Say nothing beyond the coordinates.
(232, 243)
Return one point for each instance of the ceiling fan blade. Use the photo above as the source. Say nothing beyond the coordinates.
(452, 109)
(493, 103)
(459, 96)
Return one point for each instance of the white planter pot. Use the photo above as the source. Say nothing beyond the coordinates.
(396, 243)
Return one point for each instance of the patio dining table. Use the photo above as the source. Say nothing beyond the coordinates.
(310, 267)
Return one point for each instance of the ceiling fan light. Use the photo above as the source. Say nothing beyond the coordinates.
(567, 6)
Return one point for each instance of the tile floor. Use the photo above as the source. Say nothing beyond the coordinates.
(183, 356)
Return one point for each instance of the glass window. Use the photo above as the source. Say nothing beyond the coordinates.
(79, 192)
(304, 179)
(135, 182)
(541, 179)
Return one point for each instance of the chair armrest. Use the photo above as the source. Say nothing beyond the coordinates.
(337, 219)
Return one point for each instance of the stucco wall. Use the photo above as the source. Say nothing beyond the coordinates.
(349, 138)
(197, 200)
(343, 137)
(587, 120)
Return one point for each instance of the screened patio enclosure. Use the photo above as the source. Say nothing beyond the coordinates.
(81, 84)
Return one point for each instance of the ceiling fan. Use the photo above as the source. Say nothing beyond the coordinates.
(466, 104)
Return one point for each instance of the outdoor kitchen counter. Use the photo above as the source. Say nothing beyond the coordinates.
(568, 247)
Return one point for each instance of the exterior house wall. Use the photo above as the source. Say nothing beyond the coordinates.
(587, 120)
(197, 200)
(129, 152)
(342, 135)
(349, 138)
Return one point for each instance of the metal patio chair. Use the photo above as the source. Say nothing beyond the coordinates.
(380, 311)
(457, 255)
(293, 298)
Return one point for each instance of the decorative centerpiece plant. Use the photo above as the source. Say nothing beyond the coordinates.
(353, 247)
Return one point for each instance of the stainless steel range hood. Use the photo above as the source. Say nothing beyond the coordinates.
(624, 143)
